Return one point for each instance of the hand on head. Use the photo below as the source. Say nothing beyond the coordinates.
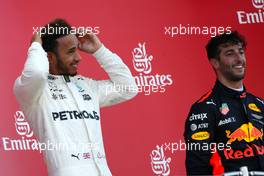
(89, 42)
(36, 38)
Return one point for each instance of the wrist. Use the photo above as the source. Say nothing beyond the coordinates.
(97, 48)
(100, 51)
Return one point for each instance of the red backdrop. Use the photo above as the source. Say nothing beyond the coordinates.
(134, 129)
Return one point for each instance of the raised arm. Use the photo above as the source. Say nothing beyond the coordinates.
(121, 86)
(29, 85)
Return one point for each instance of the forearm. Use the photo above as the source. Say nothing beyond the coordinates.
(30, 83)
(118, 72)
(37, 60)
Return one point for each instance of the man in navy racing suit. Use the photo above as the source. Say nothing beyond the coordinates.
(228, 118)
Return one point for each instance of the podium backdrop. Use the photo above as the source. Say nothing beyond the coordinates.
(162, 42)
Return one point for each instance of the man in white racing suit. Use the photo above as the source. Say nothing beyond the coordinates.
(63, 108)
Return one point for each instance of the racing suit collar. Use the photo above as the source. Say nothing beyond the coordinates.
(62, 78)
(225, 91)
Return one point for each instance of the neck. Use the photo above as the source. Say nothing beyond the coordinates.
(231, 84)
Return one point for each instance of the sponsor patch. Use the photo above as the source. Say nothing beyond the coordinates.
(200, 116)
(202, 135)
(246, 132)
(248, 152)
(193, 127)
(198, 126)
(211, 102)
(226, 121)
(254, 107)
(203, 125)
(224, 109)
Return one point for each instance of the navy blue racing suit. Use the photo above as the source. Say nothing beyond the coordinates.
(228, 123)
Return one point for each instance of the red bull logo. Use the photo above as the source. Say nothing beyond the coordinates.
(248, 152)
(246, 132)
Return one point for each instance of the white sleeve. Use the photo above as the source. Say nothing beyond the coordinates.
(29, 85)
(121, 86)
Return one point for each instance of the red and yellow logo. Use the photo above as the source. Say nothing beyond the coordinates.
(202, 135)
(245, 132)
(254, 107)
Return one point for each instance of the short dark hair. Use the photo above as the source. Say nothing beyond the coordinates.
(234, 38)
(52, 31)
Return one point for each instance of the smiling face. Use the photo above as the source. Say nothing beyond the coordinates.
(67, 58)
(231, 62)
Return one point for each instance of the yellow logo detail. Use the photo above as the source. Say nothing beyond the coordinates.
(253, 107)
(202, 135)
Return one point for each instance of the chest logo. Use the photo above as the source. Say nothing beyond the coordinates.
(253, 107)
(224, 109)
(246, 132)
(80, 89)
(202, 135)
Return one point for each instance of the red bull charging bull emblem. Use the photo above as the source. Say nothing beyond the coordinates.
(246, 132)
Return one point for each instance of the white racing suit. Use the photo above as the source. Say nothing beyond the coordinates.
(64, 111)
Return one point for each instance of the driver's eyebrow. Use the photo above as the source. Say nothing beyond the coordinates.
(230, 50)
(233, 50)
(72, 49)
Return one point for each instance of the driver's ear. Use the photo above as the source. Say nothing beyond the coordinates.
(52, 58)
(214, 62)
